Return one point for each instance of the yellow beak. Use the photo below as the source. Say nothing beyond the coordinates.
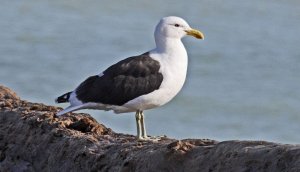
(195, 33)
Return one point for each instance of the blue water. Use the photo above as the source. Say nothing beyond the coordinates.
(243, 79)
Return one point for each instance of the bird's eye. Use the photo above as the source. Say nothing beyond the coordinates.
(176, 25)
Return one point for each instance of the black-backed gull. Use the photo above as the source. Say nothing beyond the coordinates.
(140, 82)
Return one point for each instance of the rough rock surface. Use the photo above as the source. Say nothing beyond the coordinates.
(33, 139)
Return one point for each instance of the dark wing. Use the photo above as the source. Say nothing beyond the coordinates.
(122, 82)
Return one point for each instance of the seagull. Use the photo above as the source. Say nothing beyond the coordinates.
(140, 82)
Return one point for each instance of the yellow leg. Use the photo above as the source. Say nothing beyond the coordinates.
(138, 125)
(141, 128)
(144, 133)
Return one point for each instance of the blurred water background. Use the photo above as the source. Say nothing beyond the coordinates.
(243, 80)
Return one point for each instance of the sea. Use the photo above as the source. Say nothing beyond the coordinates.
(243, 80)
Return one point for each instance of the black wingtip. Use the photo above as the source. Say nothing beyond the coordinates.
(63, 98)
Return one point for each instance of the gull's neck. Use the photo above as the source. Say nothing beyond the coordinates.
(171, 51)
(171, 46)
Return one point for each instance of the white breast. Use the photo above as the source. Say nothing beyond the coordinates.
(173, 68)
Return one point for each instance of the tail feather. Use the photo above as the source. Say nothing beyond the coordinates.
(69, 109)
(63, 98)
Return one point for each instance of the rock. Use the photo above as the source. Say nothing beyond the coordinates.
(32, 138)
(6, 93)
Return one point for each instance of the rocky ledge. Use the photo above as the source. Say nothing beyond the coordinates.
(32, 138)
